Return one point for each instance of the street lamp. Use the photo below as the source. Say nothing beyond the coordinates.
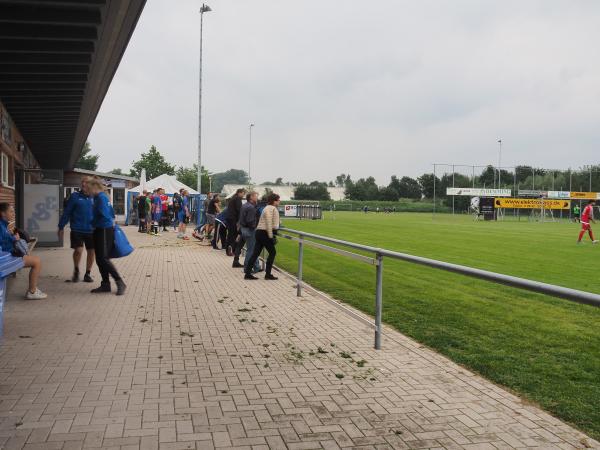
(203, 9)
(499, 160)
(249, 150)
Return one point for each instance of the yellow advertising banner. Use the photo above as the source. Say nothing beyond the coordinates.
(584, 195)
(531, 203)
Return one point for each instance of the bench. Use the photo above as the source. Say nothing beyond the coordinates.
(9, 265)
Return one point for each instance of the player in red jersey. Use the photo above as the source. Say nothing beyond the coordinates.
(586, 217)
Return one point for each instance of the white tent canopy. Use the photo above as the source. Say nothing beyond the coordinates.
(168, 182)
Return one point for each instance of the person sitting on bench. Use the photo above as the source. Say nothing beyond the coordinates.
(7, 240)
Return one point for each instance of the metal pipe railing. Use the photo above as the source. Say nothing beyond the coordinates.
(305, 238)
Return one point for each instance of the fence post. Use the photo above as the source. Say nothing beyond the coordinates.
(300, 264)
(378, 301)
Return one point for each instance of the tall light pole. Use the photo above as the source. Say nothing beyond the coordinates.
(203, 9)
(499, 160)
(249, 150)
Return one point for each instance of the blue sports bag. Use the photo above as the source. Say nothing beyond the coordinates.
(122, 247)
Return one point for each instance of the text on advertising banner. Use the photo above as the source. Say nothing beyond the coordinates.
(532, 203)
(584, 195)
(559, 194)
(478, 192)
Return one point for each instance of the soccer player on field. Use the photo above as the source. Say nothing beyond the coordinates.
(586, 217)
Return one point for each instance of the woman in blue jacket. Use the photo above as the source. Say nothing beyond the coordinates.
(104, 238)
(7, 240)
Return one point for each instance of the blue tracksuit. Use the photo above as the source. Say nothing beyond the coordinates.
(103, 212)
(80, 212)
(7, 239)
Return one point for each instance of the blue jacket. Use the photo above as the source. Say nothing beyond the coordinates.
(103, 212)
(7, 239)
(80, 212)
(223, 217)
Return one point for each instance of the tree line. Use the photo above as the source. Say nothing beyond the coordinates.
(426, 186)
(156, 164)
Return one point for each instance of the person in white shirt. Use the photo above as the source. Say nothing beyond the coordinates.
(266, 232)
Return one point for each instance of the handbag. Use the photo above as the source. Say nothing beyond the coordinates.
(121, 247)
(20, 248)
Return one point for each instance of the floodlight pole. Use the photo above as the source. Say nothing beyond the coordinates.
(499, 160)
(203, 9)
(249, 150)
(434, 167)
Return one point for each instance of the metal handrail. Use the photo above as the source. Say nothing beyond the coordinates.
(574, 295)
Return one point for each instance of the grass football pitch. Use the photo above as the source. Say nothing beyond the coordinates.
(546, 349)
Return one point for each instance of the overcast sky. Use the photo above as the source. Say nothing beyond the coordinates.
(376, 88)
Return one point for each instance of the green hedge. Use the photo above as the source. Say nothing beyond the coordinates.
(403, 205)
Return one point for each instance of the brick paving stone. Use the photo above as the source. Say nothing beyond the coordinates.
(194, 357)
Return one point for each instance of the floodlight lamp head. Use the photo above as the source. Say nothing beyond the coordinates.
(205, 8)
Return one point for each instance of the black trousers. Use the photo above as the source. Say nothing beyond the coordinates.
(104, 240)
(263, 241)
(239, 245)
(219, 234)
(232, 233)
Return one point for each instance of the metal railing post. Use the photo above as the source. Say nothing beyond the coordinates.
(378, 301)
(300, 264)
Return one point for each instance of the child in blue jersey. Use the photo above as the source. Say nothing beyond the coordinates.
(7, 240)
(104, 238)
(156, 211)
(183, 215)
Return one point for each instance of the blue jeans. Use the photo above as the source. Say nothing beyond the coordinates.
(248, 235)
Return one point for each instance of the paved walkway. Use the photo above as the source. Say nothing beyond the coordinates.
(194, 357)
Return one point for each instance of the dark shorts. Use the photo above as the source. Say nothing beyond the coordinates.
(82, 239)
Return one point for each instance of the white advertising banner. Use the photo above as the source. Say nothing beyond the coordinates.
(41, 211)
(291, 211)
(559, 194)
(479, 192)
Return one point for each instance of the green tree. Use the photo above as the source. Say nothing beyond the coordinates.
(116, 172)
(388, 194)
(363, 189)
(409, 188)
(342, 179)
(231, 176)
(189, 177)
(426, 181)
(313, 191)
(87, 161)
(154, 163)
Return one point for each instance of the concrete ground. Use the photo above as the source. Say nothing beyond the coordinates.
(195, 357)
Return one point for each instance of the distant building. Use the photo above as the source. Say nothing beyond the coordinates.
(286, 192)
(117, 187)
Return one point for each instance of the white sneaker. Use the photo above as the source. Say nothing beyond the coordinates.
(594, 242)
(37, 295)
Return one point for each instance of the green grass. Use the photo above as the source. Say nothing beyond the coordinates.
(545, 349)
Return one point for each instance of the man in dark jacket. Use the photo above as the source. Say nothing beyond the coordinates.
(247, 225)
(234, 206)
(79, 212)
(141, 208)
